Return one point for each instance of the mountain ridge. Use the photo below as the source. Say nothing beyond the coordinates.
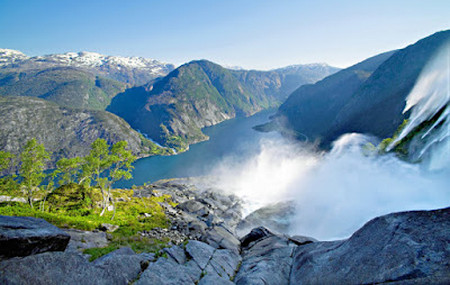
(175, 108)
(374, 105)
(131, 70)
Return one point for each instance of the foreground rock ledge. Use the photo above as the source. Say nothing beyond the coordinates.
(400, 248)
(22, 236)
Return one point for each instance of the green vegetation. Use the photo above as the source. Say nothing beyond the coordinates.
(68, 87)
(195, 95)
(384, 144)
(33, 160)
(84, 198)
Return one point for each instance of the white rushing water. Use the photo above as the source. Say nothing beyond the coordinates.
(430, 95)
(337, 192)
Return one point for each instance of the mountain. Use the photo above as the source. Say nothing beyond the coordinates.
(65, 132)
(377, 107)
(131, 70)
(66, 86)
(311, 109)
(174, 109)
(367, 98)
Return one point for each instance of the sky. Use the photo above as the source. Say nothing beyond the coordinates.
(253, 34)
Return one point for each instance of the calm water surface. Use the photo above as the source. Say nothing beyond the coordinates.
(233, 138)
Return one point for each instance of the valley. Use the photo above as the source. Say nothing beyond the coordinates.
(130, 170)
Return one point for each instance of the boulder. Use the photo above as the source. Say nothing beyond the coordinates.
(165, 272)
(118, 253)
(200, 252)
(86, 239)
(267, 259)
(191, 206)
(220, 237)
(254, 236)
(176, 253)
(123, 265)
(225, 262)
(53, 268)
(401, 248)
(22, 236)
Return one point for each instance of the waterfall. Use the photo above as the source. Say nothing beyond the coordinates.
(431, 95)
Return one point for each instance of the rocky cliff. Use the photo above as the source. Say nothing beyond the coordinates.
(65, 132)
(399, 248)
(66, 86)
(366, 98)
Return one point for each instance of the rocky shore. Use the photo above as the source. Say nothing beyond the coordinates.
(207, 247)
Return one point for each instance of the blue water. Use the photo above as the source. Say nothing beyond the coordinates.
(232, 138)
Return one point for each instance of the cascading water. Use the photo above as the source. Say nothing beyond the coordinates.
(337, 192)
(430, 96)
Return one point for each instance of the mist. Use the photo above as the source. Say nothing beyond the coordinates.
(335, 193)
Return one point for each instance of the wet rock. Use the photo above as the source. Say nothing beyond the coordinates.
(402, 248)
(22, 236)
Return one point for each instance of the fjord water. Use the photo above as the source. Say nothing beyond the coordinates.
(232, 138)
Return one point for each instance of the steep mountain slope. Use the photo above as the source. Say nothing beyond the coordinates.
(311, 109)
(174, 109)
(131, 70)
(63, 131)
(377, 106)
(65, 86)
(367, 100)
(279, 83)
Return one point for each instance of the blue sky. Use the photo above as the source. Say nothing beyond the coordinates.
(249, 33)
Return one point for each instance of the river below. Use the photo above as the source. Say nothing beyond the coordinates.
(232, 138)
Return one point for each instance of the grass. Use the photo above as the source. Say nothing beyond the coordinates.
(78, 207)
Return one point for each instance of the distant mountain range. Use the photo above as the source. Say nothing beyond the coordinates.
(368, 97)
(131, 70)
(64, 131)
(174, 109)
(169, 105)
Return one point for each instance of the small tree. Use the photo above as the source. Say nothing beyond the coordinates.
(120, 168)
(7, 183)
(68, 169)
(94, 165)
(104, 166)
(6, 160)
(47, 189)
(33, 159)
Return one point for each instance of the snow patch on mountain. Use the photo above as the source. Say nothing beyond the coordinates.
(9, 56)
